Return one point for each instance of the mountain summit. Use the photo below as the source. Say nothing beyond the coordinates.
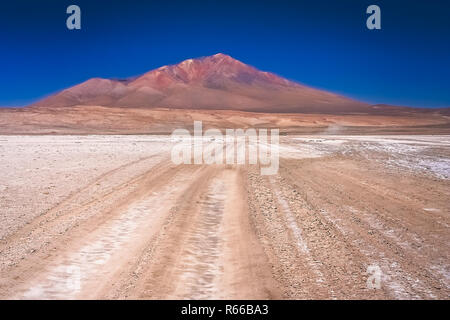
(214, 82)
(214, 72)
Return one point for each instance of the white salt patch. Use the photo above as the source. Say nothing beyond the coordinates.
(432, 209)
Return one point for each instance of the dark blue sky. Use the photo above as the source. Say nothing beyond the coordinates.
(324, 44)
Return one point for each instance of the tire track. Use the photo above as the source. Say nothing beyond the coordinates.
(75, 272)
(200, 267)
(203, 252)
(68, 214)
(364, 232)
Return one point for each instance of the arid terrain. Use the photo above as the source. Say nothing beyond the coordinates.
(110, 216)
(114, 120)
(92, 205)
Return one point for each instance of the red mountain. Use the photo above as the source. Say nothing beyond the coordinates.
(214, 82)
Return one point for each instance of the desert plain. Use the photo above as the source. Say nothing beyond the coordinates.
(110, 216)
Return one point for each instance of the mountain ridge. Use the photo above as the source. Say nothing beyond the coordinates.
(217, 82)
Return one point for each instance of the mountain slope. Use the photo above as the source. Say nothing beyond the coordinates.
(214, 82)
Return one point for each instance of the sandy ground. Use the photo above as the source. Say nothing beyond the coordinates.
(78, 120)
(112, 217)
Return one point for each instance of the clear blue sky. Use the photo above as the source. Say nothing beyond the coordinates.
(324, 44)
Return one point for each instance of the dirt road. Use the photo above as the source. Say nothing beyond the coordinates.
(88, 221)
